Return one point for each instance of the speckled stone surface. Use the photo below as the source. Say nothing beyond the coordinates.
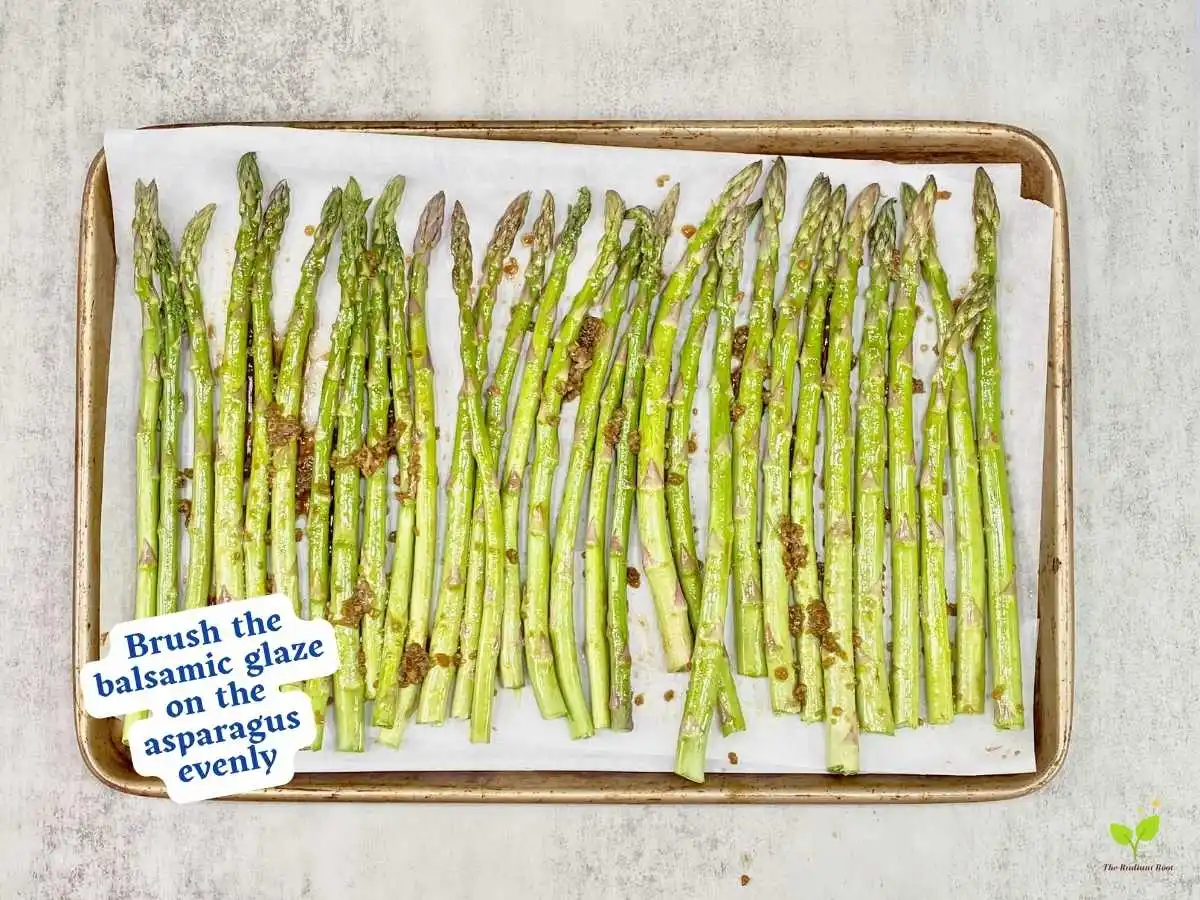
(1110, 85)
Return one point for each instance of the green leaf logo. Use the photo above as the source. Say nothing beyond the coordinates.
(1133, 838)
(1147, 829)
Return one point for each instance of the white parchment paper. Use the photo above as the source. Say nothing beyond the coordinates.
(196, 166)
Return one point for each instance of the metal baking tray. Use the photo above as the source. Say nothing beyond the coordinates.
(899, 141)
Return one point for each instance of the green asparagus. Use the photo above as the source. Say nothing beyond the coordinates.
(353, 217)
(378, 446)
(710, 635)
(841, 713)
(145, 244)
(414, 662)
(229, 575)
(395, 628)
(597, 338)
(777, 564)
(170, 408)
(285, 434)
(473, 612)
(200, 523)
(747, 422)
(902, 476)
(653, 528)
(870, 660)
(512, 664)
(1004, 619)
(258, 493)
(539, 630)
(620, 703)
(810, 607)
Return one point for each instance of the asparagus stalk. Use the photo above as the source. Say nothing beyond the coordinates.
(620, 703)
(747, 422)
(378, 448)
(539, 653)
(349, 592)
(170, 409)
(594, 599)
(810, 608)
(679, 438)
(597, 338)
(353, 217)
(284, 417)
(970, 554)
(229, 575)
(1003, 609)
(473, 612)
(840, 702)
(870, 660)
(539, 658)
(414, 662)
(387, 691)
(539, 630)
(777, 563)
(512, 665)
(710, 635)
(902, 476)
(145, 250)
(472, 360)
(653, 529)
(444, 641)
(939, 702)
(200, 523)
(258, 493)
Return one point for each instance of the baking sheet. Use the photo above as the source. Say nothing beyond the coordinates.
(195, 166)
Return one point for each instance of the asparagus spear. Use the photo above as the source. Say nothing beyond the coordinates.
(679, 437)
(776, 566)
(598, 338)
(870, 660)
(939, 704)
(473, 358)
(258, 494)
(387, 691)
(289, 393)
(170, 408)
(541, 662)
(747, 421)
(348, 591)
(1003, 609)
(512, 665)
(653, 530)
(970, 566)
(145, 249)
(424, 459)
(472, 623)
(810, 608)
(594, 599)
(353, 217)
(620, 703)
(444, 641)
(539, 653)
(229, 575)
(199, 571)
(710, 635)
(373, 554)
(539, 630)
(902, 476)
(840, 704)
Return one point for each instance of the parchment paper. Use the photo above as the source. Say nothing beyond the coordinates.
(196, 166)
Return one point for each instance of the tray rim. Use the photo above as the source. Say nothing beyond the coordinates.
(1056, 565)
